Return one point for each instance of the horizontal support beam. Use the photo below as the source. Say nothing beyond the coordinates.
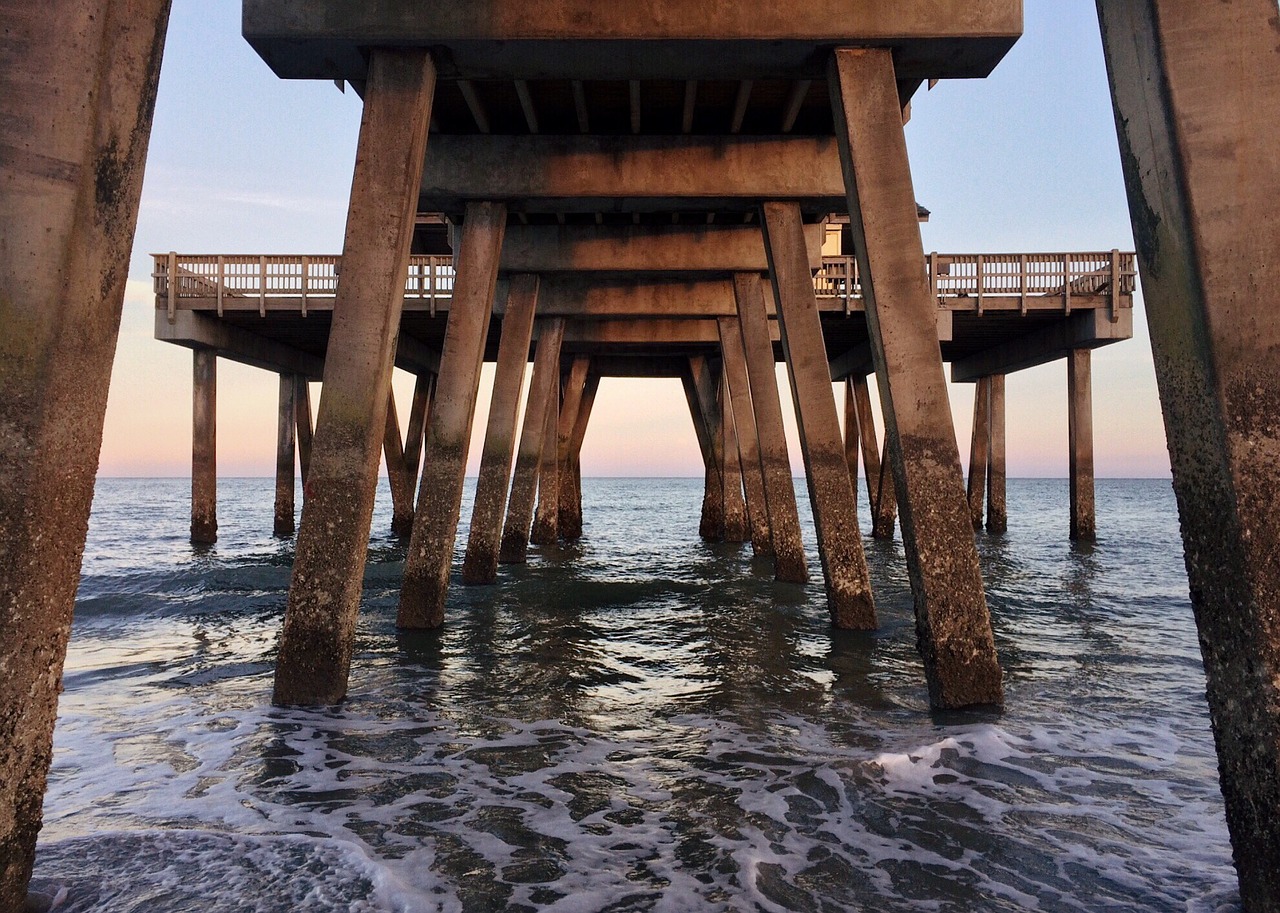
(630, 173)
(647, 333)
(614, 249)
(1081, 330)
(588, 39)
(199, 331)
(857, 361)
(416, 357)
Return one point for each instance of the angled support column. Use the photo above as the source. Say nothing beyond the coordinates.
(546, 519)
(712, 506)
(1080, 444)
(543, 395)
(997, 512)
(779, 492)
(1196, 89)
(77, 91)
(555, 474)
(835, 510)
(744, 421)
(880, 493)
(424, 389)
(204, 447)
(575, 387)
(706, 381)
(333, 537)
(571, 493)
(952, 621)
(398, 478)
(286, 455)
(480, 566)
(735, 506)
(435, 522)
(304, 428)
(979, 449)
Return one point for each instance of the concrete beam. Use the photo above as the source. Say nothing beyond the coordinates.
(643, 249)
(623, 173)
(1081, 330)
(201, 331)
(585, 39)
(648, 333)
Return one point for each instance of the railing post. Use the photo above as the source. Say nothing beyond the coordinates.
(262, 286)
(1066, 283)
(173, 285)
(1023, 285)
(933, 274)
(306, 268)
(1115, 285)
(978, 274)
(222, 275)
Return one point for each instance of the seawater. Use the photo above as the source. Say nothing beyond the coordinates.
(639, 721)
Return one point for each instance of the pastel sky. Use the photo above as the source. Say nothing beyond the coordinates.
(242, 162)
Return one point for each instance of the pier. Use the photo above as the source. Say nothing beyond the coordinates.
(647, 190)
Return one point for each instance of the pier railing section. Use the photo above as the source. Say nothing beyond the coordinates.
(969, 281)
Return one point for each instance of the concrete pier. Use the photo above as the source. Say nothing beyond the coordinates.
(77, 91)
(333, 537)
(835, 511)
(1196, 89)
(997, 512)
(305, 429)
(952, 621)
(204, 447)
(979, 450)
(435, 522)
(744, 420)
(779, 494)
(1080, 445)
(543, 389)
(704, 382)
(399, 479)
(484, 540)
(286, 456)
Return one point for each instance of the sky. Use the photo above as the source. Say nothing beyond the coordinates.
(243, 162)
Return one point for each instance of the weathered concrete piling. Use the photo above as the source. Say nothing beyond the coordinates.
(77, 91)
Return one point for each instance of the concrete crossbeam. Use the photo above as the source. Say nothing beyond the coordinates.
(643, 249)
(1082, 330)
(626, 173)
(586, 39)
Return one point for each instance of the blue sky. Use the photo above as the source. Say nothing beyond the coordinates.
(242, 162)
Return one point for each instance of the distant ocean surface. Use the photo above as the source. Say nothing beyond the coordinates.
(641, 721)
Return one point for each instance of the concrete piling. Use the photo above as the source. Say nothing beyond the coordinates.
(546, 519)
(398, 478)
(835, 511)
(435, 521)
(779, 493)
(77, 91)
(997, 512)
(286, 456)
(480, 566)
(571, 493)
(979, 449)
(744, 421)
(1196, 90)
(880, 493)
(542, 390)
(705, 405)
(952, 621)
(303, 428)
(333, 537)
(204, 447)
(1083, 525)
(735, 505)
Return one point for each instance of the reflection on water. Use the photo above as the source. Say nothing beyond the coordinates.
(639, 722)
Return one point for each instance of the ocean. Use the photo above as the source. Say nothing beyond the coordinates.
(639, 721)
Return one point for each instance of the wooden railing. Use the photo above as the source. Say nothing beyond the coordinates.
(980, 278)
